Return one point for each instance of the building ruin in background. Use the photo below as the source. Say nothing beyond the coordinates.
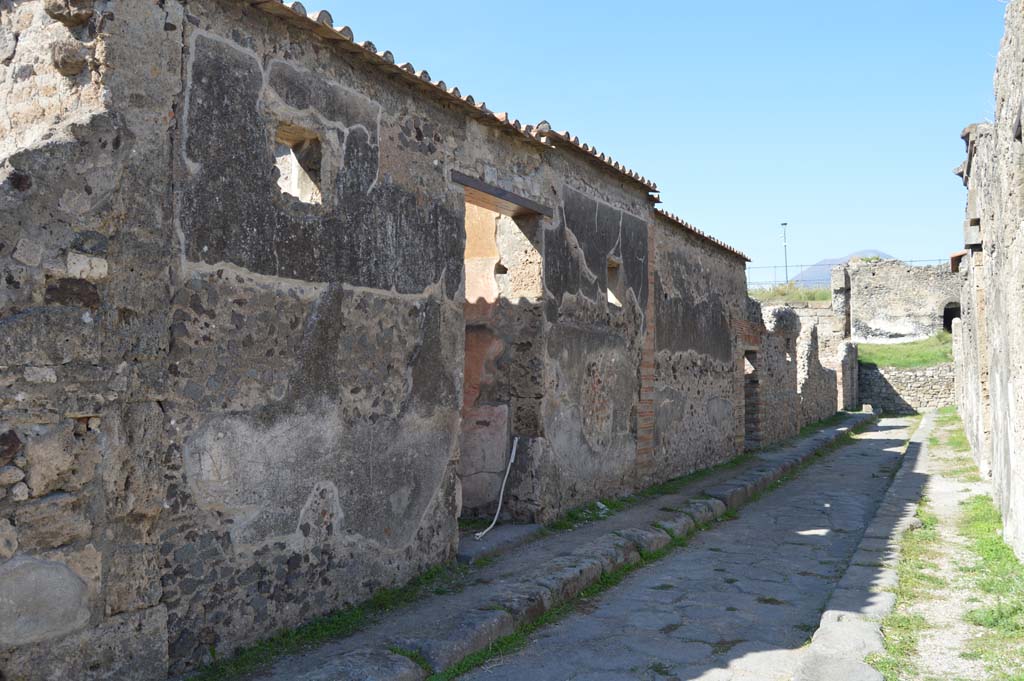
(274, 308)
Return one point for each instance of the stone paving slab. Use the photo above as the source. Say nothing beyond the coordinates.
(740, 600)
(850, 628)
(523, 583)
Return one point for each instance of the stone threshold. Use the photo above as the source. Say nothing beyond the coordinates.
(851, 625)
(523, 581)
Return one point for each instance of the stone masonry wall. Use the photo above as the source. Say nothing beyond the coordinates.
(990, 353)
(893, 302)
(906, 391)
(239, 368)
(816, 383)
(697, 293)
(835, 352)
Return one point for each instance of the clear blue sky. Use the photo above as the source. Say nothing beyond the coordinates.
(842, 119)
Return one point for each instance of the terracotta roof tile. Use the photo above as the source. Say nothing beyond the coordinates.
(679, 222)
(321, 23)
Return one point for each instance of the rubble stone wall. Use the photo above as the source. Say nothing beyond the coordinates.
(907, 391)
(893, 302)
(991, 345)
(835, 352)
(778, 375)
(698, 401)
(242, 384)
(816, 383)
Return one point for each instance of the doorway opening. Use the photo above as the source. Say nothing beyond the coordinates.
(503, 361)
(949, 313)
(751, 402)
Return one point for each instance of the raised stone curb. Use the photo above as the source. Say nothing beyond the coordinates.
(851, 625)
(465, 628)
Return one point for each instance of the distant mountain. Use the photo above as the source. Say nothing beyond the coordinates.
(819, 274)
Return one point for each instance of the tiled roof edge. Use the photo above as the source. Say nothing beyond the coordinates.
(322, 24)
(679, 222)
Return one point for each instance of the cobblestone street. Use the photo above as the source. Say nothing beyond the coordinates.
(741, 599)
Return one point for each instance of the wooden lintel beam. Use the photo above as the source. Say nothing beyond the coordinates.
(497, 199)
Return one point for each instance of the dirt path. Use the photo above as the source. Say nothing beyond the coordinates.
(944, 642)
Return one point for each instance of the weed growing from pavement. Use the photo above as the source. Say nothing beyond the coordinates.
(414, 655)
(444, 578)
(915, 569)
(451, 577)
(520, 638)
(599, 510)
(999, 576)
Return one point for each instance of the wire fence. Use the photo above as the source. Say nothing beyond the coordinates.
(806, 276)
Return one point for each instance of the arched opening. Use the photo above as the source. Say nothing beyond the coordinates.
(951, 312)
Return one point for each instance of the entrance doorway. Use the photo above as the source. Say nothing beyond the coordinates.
(503, 350)
(751, 402)
(949, 313)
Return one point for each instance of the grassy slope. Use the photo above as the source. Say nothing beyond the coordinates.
(919, 354)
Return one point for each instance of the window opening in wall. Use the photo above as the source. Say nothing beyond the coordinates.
(298, 155)
(949, 313)
(615, 285)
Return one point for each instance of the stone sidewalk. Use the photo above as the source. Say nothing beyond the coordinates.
(519, 586)
(851, 627)
(740, 600)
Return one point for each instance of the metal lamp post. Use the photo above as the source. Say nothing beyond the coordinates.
(785, 251)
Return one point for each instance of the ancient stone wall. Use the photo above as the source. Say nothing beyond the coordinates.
(779, 382)
(893, 302)
(835, 352)
(697, 293)
(816, 384)
(991, 339)
(261, 346)
(87, 232)
(907, 391)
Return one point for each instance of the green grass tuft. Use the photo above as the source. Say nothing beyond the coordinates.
(414, 655)
(438, 579)
(915, 355)
(789, 293)
(1000, 575)
(917, 579)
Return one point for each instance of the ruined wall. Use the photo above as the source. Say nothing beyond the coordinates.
(592, 360)
(892, 302)
(242, 382)
(698, 292)
(85, 244)
(779, 381)
(991, 352)
(816, 384)
(316, 347)
(848, 377)
(907, 391)
(834, 352)
(234, 333)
